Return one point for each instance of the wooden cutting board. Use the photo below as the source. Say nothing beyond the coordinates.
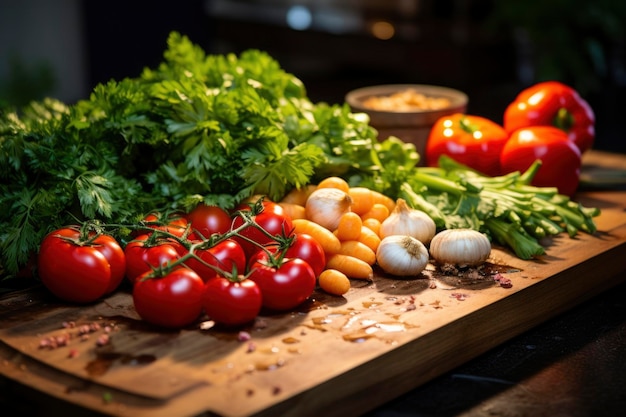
(334, 356)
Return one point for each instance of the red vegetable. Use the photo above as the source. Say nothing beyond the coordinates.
(471, 140)
(206, 220)
(175, 224)
(223, 256)
(232, 301)
(173, 300)
(552, 103)
(142, 255)
(560, 157)
(270, 217)
(80, 268)
(284, 283)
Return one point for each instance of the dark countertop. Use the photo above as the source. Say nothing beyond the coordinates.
(571, 366)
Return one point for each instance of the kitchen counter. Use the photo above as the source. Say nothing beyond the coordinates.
(570, 364)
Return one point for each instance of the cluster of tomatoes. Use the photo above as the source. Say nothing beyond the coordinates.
(225, 265)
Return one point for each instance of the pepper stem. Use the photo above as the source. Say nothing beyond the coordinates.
(564, 120)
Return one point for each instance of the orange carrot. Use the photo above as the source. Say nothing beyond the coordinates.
(378, 211)
(362, 199)
(329, 242)
(373, 224)
(334, 282)
(358, 250)
(352, 267)
(298, 195)
(294, 211)
(349, 227)
(380, 198)
(334, 182)
(369, 238)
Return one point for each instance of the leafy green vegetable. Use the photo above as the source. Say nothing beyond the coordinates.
(210, 128)
(218, 129)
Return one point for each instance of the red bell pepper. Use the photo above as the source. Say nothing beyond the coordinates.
(560, 157)
(552, 103)
(471, 140)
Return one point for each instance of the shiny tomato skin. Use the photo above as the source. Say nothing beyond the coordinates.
(286, 286)
(74, 273)
(272, 219)
(141, 258)
(206, 220)
(174, 224)
(223, 255)
(172, 301)
(305, 247)
(561, 158)
(114, 254)
(232, 303)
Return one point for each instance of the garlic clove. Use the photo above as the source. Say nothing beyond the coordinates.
(402, 255)
(325, 206)
(461, 247)
(404, 220)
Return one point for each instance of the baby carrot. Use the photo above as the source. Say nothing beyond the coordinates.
(329, 242)
(380, 198)
(334, 282)
(373, 224)
(349, 227)
(362, 199)
(349, 265)
(369, 238)
(378, 211)
(359, 250)
(334, 182)
(294, 211)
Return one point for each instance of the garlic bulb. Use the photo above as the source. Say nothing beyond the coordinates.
(402, 255)
(326, 205)
(462, 247)
(404, 220)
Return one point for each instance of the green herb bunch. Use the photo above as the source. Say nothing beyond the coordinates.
(197, 128)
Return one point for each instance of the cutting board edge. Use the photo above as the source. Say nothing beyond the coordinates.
(317, 401)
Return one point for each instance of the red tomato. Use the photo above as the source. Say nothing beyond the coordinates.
(560, 157)
(75, 272)
(223, 255)
(285, 286)
(303, 247)
(206, 220)
(114, 253)
(173, 300)
(141, 258)
(273, 219)
(174, 224)
(232, 303)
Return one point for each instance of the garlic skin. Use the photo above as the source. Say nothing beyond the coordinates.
(461, 247)
(402, 255)
(325, 206)
(404, 220)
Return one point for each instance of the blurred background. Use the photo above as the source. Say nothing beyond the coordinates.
(487, 48)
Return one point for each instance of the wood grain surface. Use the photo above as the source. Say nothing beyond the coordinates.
(333, 356)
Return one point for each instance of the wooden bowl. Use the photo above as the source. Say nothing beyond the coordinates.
(411, 126)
